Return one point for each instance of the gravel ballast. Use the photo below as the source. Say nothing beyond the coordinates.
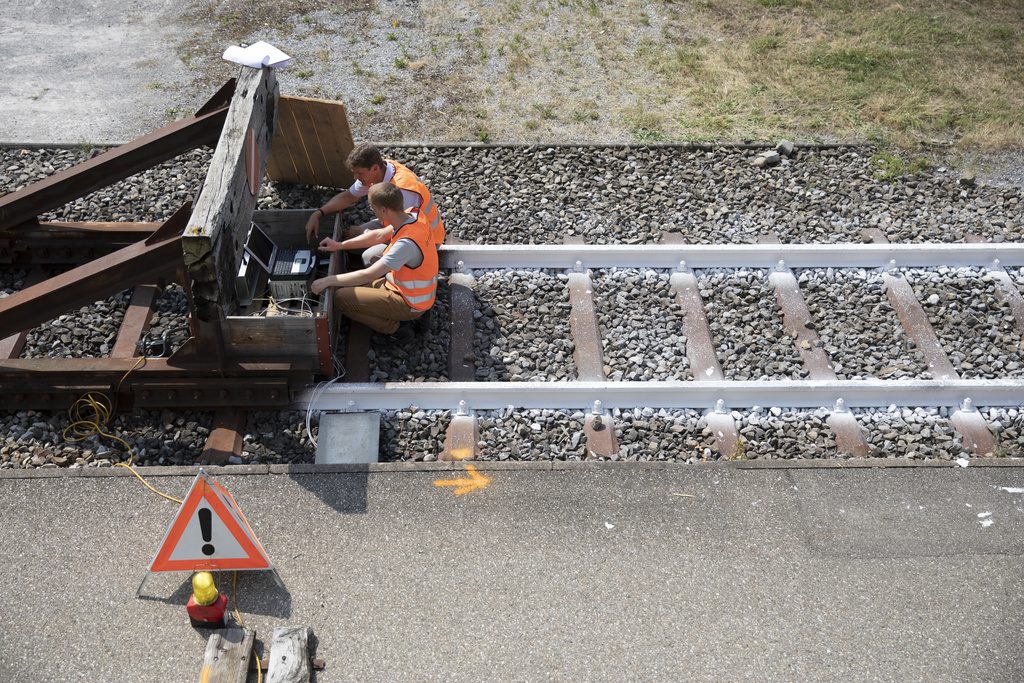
(608, 195)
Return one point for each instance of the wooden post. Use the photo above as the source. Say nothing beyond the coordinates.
(215, 235)
(289, 655)
(227, 656)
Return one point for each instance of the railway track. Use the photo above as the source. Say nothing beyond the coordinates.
(516, 319)
(815, 384)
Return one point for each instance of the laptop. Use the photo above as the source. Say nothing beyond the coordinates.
(289, 271)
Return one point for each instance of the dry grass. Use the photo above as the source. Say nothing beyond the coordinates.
(604, 70)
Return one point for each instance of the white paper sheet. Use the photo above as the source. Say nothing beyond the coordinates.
(257, 55)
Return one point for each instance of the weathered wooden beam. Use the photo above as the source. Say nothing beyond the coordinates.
(227, 656)
(117, 164)
(95, 280)
(215, 235)
(289, 655)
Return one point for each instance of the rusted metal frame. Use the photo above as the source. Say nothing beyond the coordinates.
(136, 320)
(158, 382)
(586, 334)
(68, 243)
(797, 320)
(117, 164)
(701, 351)
(598, 426)
(95, 280)
(226, 437)
(12, 346)
(969, 423)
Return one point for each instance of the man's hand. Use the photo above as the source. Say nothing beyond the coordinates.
(327, 244)
(321, 284)
(313, 226)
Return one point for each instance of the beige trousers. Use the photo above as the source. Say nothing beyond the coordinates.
(375, 305)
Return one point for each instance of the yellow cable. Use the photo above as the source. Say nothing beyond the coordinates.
(100, 409)
(259, 666)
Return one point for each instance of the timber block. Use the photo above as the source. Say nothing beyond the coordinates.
(289, 655)
(227, 656)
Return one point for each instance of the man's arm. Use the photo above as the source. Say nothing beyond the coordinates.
(369, 238)
(353, 279)
(338, 202)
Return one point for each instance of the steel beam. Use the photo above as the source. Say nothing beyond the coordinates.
(669, 256)
(140, 262)
(737, 395)
(117, 164)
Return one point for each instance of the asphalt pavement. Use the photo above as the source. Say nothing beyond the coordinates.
(585, 572)
(588, 572)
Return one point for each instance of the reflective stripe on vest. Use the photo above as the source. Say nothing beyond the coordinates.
(407, 180)
(418, 286)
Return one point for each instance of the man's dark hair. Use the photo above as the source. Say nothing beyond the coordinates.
(364, 155)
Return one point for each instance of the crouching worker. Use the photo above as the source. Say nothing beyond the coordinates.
(399, 288)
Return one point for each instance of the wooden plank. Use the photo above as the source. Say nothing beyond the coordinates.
(289, 655)
(136, 321)
(303, 114)
(226, 437)
(293, 154)
(313, 143)
(297, 149)
(338, 145)
(271, 337)
(227, 656)
(215, 235)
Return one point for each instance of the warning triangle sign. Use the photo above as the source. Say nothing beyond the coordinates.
(209, 533)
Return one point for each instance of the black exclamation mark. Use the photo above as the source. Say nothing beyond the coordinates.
(206, 526)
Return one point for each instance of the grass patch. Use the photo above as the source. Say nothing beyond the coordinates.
(892, 165)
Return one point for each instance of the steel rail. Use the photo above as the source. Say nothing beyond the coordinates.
(842, 255)
(829, 394)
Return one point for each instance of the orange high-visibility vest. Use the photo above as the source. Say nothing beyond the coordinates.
(407, 180)
(418, 286)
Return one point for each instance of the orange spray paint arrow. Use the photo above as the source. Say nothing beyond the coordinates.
(474, 481)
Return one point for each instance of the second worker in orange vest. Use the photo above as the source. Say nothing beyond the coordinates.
(370, 168)
(399, 288)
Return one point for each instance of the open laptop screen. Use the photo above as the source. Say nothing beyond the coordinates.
(261, 247)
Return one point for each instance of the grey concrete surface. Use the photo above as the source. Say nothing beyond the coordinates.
(90, 72)
(591, 573)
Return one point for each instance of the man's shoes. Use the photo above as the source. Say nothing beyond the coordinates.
(402, 335)
(422, 323)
